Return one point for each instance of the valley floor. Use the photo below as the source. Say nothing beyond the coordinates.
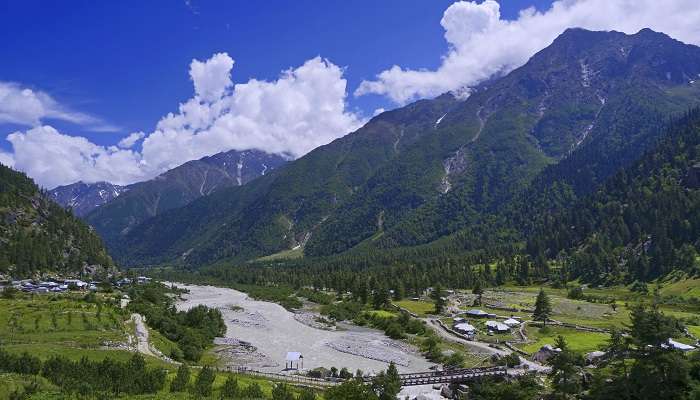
(261, 333)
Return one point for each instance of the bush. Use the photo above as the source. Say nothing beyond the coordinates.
(454, 360)
(253, 391)
(9, 292)
(575, 293)
(511, 360)
(230, 388)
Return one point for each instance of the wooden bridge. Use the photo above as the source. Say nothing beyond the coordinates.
(448, 376)
(411, 379)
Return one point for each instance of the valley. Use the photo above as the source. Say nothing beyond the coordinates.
(529, 233)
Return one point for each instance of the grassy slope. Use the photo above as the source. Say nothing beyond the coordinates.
(77, 339)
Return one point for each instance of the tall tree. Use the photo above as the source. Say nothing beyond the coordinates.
(543, 308)
(387, 385)
(478, 291)
(439, 299)
(380, 298)
(565, 373)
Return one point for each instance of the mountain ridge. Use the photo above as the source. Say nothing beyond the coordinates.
(427, 170)
(178, 187)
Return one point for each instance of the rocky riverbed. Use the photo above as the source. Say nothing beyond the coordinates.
(259, 335)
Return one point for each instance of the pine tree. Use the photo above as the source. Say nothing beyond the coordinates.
(438, 299)
(387, 384)
(380, 298)
(182, 379)
(543, 308)
(204, 381)
(478, 291)
(565, 370)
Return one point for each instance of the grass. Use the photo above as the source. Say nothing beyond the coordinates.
(577, 340)
(420, 308)
(160, 342)
(13, 382)
(685, 288)
(64, 324)
(290, 254)
(380, 313)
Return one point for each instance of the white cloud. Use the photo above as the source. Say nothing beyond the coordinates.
(29, 107)
(52, 158)
(212, 77)
(482, 44)
(130, 141)
(6, 159)
(301, 110)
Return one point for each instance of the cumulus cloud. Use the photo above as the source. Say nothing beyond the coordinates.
(131, 140)
(212, 77)
(301, 110)
(24, 106)
(482, 44)
(53, 159)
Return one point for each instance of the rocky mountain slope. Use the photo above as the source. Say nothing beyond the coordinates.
(549, 131)
(84, 197)
(37, 235)
(178, 187)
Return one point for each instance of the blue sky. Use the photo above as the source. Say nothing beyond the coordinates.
(127, 61)
(77, 77)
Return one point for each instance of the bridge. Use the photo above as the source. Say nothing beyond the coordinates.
(410, 379)
(448, 376)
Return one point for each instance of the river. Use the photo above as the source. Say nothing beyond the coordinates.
(267, 331)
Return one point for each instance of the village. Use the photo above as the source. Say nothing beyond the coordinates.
(60, 285)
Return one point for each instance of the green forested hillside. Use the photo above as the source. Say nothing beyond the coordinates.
(641, 224)
(280, 210)
(37, 235)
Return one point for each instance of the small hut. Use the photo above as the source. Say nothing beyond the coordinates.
(294, 360)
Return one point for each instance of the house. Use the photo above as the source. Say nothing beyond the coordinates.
(512, 322)
(124, 282)
(498, 327)
(458, 320)
(545, 353)
(294, 357)
(465, 328)
(477, 313)
(77, 282)
(124, 301)
(678, 345)
(594, 357)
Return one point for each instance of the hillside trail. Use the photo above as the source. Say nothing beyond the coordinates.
(142, 344)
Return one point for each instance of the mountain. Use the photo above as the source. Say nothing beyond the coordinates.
(588, 104)
(583, 107)
(178, 187)
(84, 197)
(641, 224)
(38, 235)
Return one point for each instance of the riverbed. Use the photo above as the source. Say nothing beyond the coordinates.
(259, 334)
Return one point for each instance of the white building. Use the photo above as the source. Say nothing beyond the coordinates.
(465, 328)
(496, 326)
